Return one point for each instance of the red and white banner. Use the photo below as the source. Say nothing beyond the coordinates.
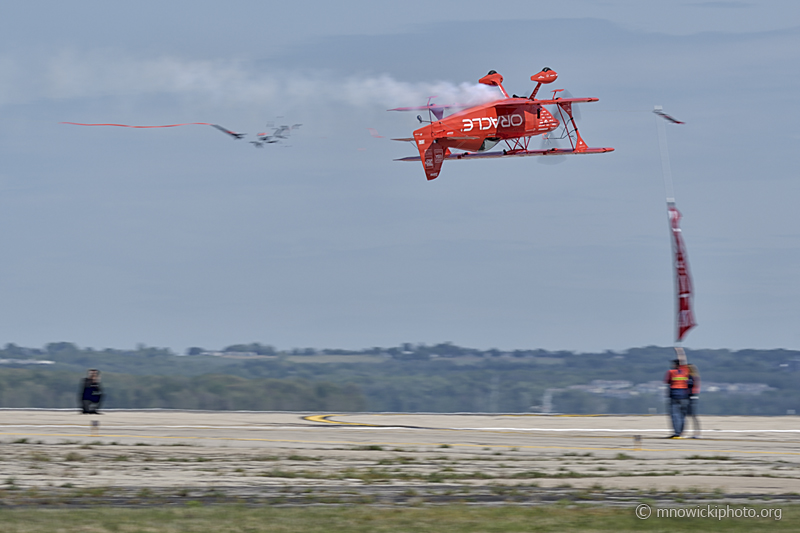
(683, 280)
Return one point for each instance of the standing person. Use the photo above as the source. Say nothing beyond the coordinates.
(91, 393)
(677, 379)
(694, 397)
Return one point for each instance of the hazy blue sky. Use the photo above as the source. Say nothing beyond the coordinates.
(184, 237)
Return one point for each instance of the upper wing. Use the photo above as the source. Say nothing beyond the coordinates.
(517, 153)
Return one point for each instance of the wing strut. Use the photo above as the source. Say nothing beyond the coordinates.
(565, 108)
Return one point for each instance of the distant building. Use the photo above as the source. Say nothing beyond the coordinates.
(626, 389)
(792, 365)
(233, 355)
(26, 362)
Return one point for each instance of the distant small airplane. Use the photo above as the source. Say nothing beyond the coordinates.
(280, 133)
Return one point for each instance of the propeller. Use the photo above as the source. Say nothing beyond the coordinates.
(558, 137)
(576, 109)
(564, 93)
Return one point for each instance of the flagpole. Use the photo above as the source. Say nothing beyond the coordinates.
(676, 242)
(666, 171)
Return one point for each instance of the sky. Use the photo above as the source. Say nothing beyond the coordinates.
(179, 237)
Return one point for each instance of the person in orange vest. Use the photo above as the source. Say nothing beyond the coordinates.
(677, 379)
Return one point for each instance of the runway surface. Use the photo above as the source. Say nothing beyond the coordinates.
(731, 435)
(744, 454)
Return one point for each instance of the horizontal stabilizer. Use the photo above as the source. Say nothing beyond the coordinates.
(516, 153)
(436, 109)
(554, 101)
(425, 107)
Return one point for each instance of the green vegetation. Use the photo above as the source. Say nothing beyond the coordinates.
(408, 378)
(56, 388)
(196, 517)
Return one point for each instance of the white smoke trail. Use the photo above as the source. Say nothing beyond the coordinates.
(71, 75)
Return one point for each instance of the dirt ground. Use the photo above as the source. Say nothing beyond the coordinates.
(130, 456)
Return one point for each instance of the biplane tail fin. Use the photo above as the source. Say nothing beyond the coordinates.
(432, 155)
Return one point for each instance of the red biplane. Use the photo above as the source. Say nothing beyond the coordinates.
(513, 120)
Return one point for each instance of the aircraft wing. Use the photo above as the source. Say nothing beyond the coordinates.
(516, 153)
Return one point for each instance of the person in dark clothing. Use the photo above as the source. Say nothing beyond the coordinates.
(91, 393)
(677, 379)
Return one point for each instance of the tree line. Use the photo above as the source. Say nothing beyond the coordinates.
(409, 377)
(59, 389)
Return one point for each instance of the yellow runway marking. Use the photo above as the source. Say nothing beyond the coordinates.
(624, 434)
(398, 444)
(324, 418)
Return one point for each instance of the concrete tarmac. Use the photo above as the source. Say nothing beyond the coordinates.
(135, 448)
(734, 435)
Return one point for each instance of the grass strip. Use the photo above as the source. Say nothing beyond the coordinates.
(353, 519)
